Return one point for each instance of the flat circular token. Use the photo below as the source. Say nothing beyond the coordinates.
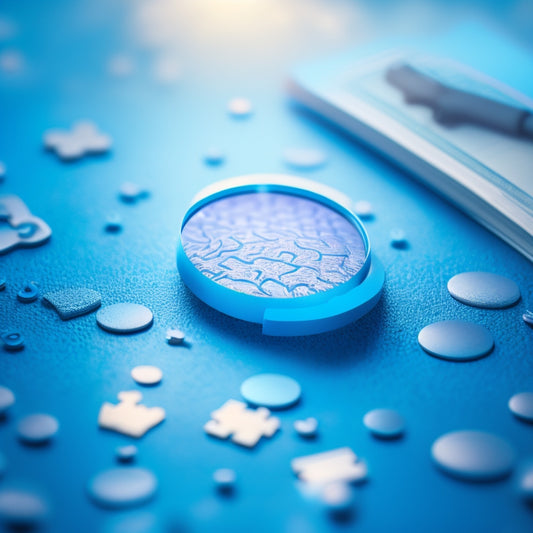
(7, 399)
(147, 375)
(113, 224)
(122, 487)
(126, 454)
(225, 478)
(456, 340)
(384, 423)
(274, 391)
(521, 405)
(525, 482)
(484, 289)
(124, 318)
(37, 429)
(473, 455)
(21, 508)
(398, 239)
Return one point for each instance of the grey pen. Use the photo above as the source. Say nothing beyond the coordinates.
(452, 106)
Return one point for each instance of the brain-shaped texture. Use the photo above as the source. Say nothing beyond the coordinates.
(273, 245)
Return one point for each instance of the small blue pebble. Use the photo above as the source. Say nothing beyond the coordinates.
(126, 454)
(398, 239)
(521, 405)
(37, 429)
(527, 317)
(113, 224)
(122, 487)
(384, 423)
(473, 455)
(274, 391)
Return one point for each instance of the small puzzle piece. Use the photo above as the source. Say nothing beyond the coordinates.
(246, 426)
(128, 417)
(18, 227)
(336, 466)
(82, 139)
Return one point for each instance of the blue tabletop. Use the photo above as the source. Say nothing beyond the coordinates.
(161, 131)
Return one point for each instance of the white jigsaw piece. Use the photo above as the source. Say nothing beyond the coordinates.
(18, 227)
(84, 138)
(336, 466)
(128, 417)
(246, 426)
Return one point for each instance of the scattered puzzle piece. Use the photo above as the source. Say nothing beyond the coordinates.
(70, 303)
(336, 466)
(18, 227)
(83, 139)
(128, 417)
(246, 426)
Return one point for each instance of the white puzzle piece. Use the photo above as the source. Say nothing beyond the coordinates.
(128, 417)
(82, 139)
(18, 227)
(335, 466)
(246, 426)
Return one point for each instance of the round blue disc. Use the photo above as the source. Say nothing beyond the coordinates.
(21, 508)
(484, 289)
(473, 455)
(272, 244)
(525, 481)
(456, 340)
(122, 487)
(7, 399)
(124, 318)
(271, 390)
(37, 429)
(521, 405)
(384, 423)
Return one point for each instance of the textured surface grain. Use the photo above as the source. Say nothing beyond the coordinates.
(69, 369)
(273, 245)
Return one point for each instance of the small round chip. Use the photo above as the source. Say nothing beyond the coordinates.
(124, 318)
(384, 423)
(37, 428)
(274, 391)
(456, 340)
(147, 375)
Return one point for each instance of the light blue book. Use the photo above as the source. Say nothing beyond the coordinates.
(457, 111)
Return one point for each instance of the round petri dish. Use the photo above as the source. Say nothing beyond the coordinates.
(281, 251)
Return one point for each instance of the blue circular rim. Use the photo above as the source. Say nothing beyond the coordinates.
(254, 308)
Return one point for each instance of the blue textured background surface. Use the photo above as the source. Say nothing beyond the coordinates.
(69, 369)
